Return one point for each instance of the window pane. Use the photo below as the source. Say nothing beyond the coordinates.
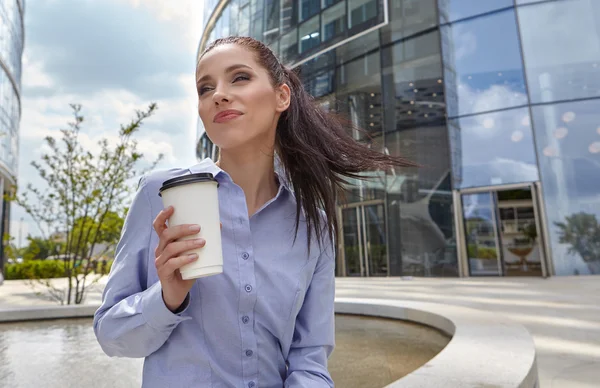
(289, 46)
(568, 141)
(288, 14)
(272, 15)
(423, 243)
(333, 21)
(482, 67)
(451, 10)
(408, 17)
(360, 11)
(244, 21)
(309, 34)
(561, 45)
(357, 47)
(308, 8)
(494, 149)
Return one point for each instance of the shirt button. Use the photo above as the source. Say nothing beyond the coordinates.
(249, 353)
(245, 319)
(248, 288)
(245, 255)
(251, 384)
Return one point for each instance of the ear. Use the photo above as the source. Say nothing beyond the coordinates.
(283, 98)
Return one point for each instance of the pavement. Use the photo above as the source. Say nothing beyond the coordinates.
(561, 313)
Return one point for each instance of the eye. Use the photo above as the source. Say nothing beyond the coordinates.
(241, 77)
(203, 89)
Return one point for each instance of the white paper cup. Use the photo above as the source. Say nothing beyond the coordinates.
(195, 200)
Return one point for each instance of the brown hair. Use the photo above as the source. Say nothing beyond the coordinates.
(315, 147)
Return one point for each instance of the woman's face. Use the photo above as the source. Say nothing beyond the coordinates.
(236, 100)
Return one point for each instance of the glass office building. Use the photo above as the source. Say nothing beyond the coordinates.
(497, 100)
(12, 38)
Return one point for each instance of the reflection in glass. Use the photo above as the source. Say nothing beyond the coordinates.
(375, 239)
(569, 174)
(479, 214)
(409, 17)
(256, 12)
(361, 11)
(244, 21)
(352, 242)
(333, 21)
(483, 68)
(452, 10)
(521, 245)
(288, 14)
(561, 46)
(308, 8)
(271, 16)
(309, 34)
(289, 46)
(495, 148)
(357, 47)
(419, 201)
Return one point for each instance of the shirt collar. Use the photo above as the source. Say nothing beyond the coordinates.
(207, 165)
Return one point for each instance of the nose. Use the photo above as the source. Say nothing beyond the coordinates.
(220, 96)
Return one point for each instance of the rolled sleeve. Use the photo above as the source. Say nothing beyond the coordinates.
(314, 334)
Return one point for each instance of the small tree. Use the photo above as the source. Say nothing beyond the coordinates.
(582, 231)
(85, 195)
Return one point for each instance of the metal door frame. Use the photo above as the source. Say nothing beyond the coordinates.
(362, 236)
(539, 214)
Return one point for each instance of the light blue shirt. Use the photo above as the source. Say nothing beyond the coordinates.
(266, 321)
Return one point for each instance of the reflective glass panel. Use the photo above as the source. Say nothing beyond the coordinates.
(309, 34)
(360, 11)
(482, 67)
(333, 21)
(408, 17)
(289, 46)
(561, 44)
(288, 14)
(419, 200)
(308, 8)
(568, 141)
(495, 148)
(451, 10)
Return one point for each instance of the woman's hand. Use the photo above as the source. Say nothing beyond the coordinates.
(170, 258)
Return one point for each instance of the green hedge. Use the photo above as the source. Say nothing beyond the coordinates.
(45, 269)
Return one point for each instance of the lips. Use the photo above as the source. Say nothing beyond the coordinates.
(226, 115)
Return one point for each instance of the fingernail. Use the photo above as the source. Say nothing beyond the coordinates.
(192, 256)
(195, 228)
(199, 241)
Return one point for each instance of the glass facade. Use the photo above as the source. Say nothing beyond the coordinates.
(11, 50)
(498, 101)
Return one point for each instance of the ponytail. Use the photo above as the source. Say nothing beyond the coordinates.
(314, 147)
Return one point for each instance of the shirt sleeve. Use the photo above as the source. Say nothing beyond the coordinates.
(314, 334)
(133, 320)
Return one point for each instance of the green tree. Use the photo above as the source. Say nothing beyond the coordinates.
(83, 201)
(582, 231)
(39, 248)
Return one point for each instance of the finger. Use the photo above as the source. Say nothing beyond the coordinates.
(177, 262)
(221, 225)
(175, 233)
(160, 222)
(176, 248)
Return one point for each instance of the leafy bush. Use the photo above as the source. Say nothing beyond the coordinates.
(35, 269)
(48, 269)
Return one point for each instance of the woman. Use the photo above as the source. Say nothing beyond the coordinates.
(268, 319)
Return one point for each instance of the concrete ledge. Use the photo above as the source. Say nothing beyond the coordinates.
(483, 352)
(47, 312)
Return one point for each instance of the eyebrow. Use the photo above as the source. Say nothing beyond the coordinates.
(228, 70)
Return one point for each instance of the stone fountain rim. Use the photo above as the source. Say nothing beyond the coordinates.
(484, 350)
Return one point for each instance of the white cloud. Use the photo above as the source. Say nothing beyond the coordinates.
(108, 102)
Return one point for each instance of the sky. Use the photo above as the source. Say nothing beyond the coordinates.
(112, 57)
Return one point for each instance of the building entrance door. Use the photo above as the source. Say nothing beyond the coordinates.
(501, 231)
(363, 240)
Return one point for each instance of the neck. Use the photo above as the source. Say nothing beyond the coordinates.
(254, 172)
